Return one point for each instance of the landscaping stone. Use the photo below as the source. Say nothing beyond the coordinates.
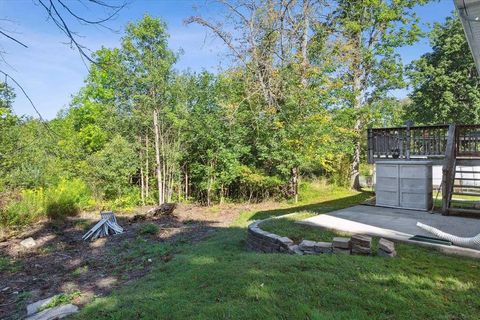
(382, 253)
(341, 242)
(361, 241)
(295, 249)
(285, 241)
(364, 251)
(323, 247)
(28, 243)
(386, 245)
(340, 250)
(34, 307)
(307, 245)
(54, 313)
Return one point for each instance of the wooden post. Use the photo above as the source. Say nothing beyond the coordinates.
(370, 145)
(407, 147)
(448, 170)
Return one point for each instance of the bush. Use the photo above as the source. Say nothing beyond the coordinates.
(66, 198)
(126, 201)
(148, 228)
(25, 210)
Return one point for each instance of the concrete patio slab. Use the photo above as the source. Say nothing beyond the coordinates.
(398, 225)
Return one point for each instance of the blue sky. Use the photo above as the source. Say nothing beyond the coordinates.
(50, 71)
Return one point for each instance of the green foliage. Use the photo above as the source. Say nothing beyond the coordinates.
(9, 265)
(111, 168)
(284, 114)
(59, 299)
(445, 81)
(66, 198)
(259, 186)
(28, 209)
(148, 228)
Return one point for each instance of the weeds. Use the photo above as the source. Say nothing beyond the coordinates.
(148, 228)
(59, 299)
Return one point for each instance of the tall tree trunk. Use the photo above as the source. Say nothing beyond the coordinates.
(142, 181)
(186, 182)
(164, 161)
(304, 41)
(295, 178)
(355, 165)
(222, 193)
(157, 157)
(359, 77)
(147, 169)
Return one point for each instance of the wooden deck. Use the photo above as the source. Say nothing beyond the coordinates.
(448, 145)
(424, 142)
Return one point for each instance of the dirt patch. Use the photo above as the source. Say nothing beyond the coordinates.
(62, 262)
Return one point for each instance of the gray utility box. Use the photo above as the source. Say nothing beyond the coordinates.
(404, 184)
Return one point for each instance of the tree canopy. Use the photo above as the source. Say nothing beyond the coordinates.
(445, 81)
(306, 80)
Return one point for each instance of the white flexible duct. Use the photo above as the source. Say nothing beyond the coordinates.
(473, 242)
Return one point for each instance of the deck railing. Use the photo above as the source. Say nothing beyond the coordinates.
(419, 142)
(468, 141)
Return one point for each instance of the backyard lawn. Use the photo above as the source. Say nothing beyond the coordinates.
(218, 279)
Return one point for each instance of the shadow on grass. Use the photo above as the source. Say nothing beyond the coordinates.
(319, 207)
(218, 279)
(62, 262)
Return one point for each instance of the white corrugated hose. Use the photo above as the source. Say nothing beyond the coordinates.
(473, 242)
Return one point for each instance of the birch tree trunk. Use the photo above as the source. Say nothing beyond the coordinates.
(142, 181)
(147, 169)
(157, 157)
(357, 105)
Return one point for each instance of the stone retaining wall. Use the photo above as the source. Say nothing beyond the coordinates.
(263, 241)
(259, 240)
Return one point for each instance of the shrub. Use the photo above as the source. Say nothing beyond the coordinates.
(67, 198)
(25, 210)
(148, 228)
(126, 201)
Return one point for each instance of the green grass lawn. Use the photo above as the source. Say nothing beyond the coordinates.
(218, 279)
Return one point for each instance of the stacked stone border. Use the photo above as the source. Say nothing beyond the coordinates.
(262, 241)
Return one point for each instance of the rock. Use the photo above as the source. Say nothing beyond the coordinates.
(310, 252)
(340, 250)
(28, 243)
(340, 242)
(285, 241)
(386, 245)
(307, 245)
(364, 251)
(54, 313)
(382, 253)
(34, 307)
(323, 247)
(295, 250)
(361, 240)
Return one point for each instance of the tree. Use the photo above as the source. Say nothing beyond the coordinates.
(111, 169)
(147, 65)
(445, 81)
(366, 35)
(8, 134)
(269, 41)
